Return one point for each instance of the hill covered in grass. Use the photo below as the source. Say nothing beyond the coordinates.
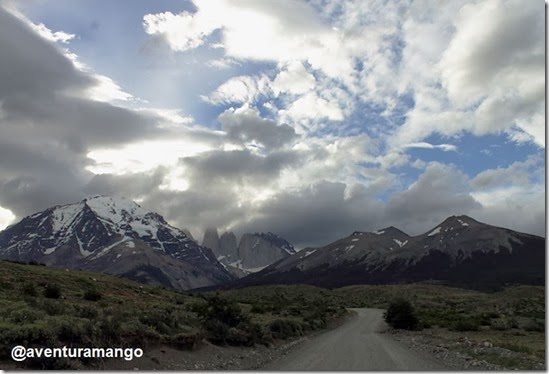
(49, 307)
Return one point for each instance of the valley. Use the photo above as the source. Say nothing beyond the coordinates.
(104, 272)
(242, 325)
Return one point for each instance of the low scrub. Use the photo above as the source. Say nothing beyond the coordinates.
(401, 315)
(285, 328)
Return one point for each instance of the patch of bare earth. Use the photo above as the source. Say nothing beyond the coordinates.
(206, 357)
(468, 350)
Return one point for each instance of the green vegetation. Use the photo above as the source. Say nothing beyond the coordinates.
(401, 315)
(42, 306)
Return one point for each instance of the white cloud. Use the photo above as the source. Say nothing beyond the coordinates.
(498, 64)
(518, 174)
(143, 156)
(182, 31)
(425, 145)
(57, 36)
(239, 90)
(312, 106)
(6, 218)
(294, 79)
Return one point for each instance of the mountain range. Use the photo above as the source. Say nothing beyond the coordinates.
(115, 236)
(253, 253)
(459, 252)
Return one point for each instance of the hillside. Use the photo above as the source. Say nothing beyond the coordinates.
(44, 306)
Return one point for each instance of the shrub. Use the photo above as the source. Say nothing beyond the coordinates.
(465, 325)
(216, 331)
(285, 328)
(85, 311)
(401, 315)
(68, 329)
(228, 312)
(52, 291)
(25, 315)
(534, 325)
(501, 324)
(29, 289)
(92, 294)
(188, 341)
(109, 327)
(52, 307)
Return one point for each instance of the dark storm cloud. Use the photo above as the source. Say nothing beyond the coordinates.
(239, 166)
(441, 191)
(316, 215)
(247, 126)
(47, 123)
(31, 67)
(136, 184)
(195, 209)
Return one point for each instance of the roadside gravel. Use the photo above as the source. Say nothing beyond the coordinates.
(452, 352)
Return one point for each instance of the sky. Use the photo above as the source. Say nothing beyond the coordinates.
(309, 119)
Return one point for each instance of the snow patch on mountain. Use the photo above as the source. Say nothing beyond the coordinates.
(435, 231)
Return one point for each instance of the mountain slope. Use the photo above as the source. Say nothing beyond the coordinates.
(460, 251)
(113, 235)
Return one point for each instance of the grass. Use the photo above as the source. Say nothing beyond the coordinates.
(40, 305)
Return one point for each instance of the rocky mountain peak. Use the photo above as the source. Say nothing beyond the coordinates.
(93, 229)
(211, 240)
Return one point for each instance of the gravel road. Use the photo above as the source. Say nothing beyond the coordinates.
(356, 345)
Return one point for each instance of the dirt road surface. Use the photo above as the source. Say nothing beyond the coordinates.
(356, 345)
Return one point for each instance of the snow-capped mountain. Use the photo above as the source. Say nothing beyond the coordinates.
(253, 253)
(460, 251)
(114, 235)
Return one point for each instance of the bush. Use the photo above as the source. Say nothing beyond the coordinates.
(228, 312)
(188, 341)
(25, 315)
(92, 295)
(501, 324)
(401, 315)
(29, 289)
(52, 291)
(110, 327)
(466, 325)
(216, 331)
(534, 325)
(52, 307)
(285, 328)
(85, 311)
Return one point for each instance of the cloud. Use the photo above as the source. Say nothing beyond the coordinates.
(50, 122)
(498, 64)
(293, 79)
(425, 145)
(314, 215)
(312, 106)
(244, 125)
(241, 89)
(236, 168)
(441, 191)
(58, 36)
(519, 173)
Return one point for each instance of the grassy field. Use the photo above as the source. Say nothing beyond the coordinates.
(42, 306)
(48, 307)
